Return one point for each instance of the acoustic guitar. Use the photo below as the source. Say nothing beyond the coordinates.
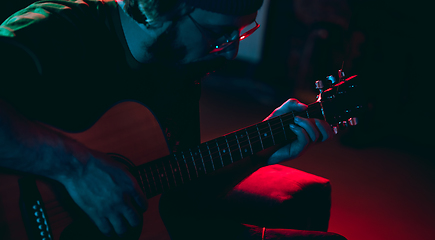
(40, 209)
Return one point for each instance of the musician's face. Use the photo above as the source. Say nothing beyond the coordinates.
(188, 40)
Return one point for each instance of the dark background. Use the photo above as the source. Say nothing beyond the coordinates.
(382, 170)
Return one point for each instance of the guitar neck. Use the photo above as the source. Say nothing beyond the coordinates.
(185, 166)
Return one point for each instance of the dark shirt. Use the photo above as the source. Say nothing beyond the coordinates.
(66, 62)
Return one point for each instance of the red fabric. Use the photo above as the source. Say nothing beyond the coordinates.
(255, 232)
(282, 197)
(290, 203)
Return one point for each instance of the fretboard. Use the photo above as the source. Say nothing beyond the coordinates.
(191, 164)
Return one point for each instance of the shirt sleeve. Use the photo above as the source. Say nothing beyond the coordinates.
(37, 43)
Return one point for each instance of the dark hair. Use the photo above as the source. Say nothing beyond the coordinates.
(142, 10)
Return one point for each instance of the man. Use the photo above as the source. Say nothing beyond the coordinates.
(65, 62)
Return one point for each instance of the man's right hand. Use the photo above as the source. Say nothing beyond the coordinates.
(102, 187)
(109, 195)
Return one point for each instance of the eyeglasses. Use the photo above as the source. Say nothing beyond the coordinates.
(219, 42)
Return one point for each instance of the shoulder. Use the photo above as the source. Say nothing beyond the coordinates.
(46, 14)
(54, 29)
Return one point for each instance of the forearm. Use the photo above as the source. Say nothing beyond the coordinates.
(30, 147)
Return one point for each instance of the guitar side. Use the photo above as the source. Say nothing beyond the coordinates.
(128, 129)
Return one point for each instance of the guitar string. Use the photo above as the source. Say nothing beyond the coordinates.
(161, 179)
(231, 149)
(280, 124)
(218, 146)
(202, 161)
(223, 145)
(239, 143)
(232, 146)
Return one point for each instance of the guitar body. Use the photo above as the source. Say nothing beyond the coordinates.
(130, 132)
(128, 129)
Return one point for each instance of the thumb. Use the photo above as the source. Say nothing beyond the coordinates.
(290, 105)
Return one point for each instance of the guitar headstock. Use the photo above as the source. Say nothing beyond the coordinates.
(342, 100)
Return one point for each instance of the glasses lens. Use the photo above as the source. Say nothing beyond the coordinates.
(228, 40)
(224, 42)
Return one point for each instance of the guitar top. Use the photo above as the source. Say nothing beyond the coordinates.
(37, 208)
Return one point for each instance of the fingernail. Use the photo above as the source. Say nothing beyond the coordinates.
(292, 126)
(297, 119)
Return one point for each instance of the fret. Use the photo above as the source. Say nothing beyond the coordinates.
(277, 131)
(169, 178)
(287, 120)
(249, 141)
(229, 149)
(163, 181)
(283, 129)
(197, 162)
(191, 164)
(153, 184)
(184, 169)
(255, 140)
(271, 133)
(210, 156)
(202, 160)
(172, 179)
(234, 146)
(156, 178)
(265, 135)
(215, 155)
(187, 166)
(177, 172)
(316, 111)
(259, 136)
(224, 152)
(245, 147)
(219, 151)
(147, 186)
(208, 160)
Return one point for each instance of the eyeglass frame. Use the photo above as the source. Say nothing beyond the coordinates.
(229, 40)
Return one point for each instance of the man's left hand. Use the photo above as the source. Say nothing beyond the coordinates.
(307, 131)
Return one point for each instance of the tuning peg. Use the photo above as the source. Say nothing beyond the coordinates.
(353, 121)
(331, 78)
(341, 75)
(344, 125)
(335, 129)
(319, 85)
